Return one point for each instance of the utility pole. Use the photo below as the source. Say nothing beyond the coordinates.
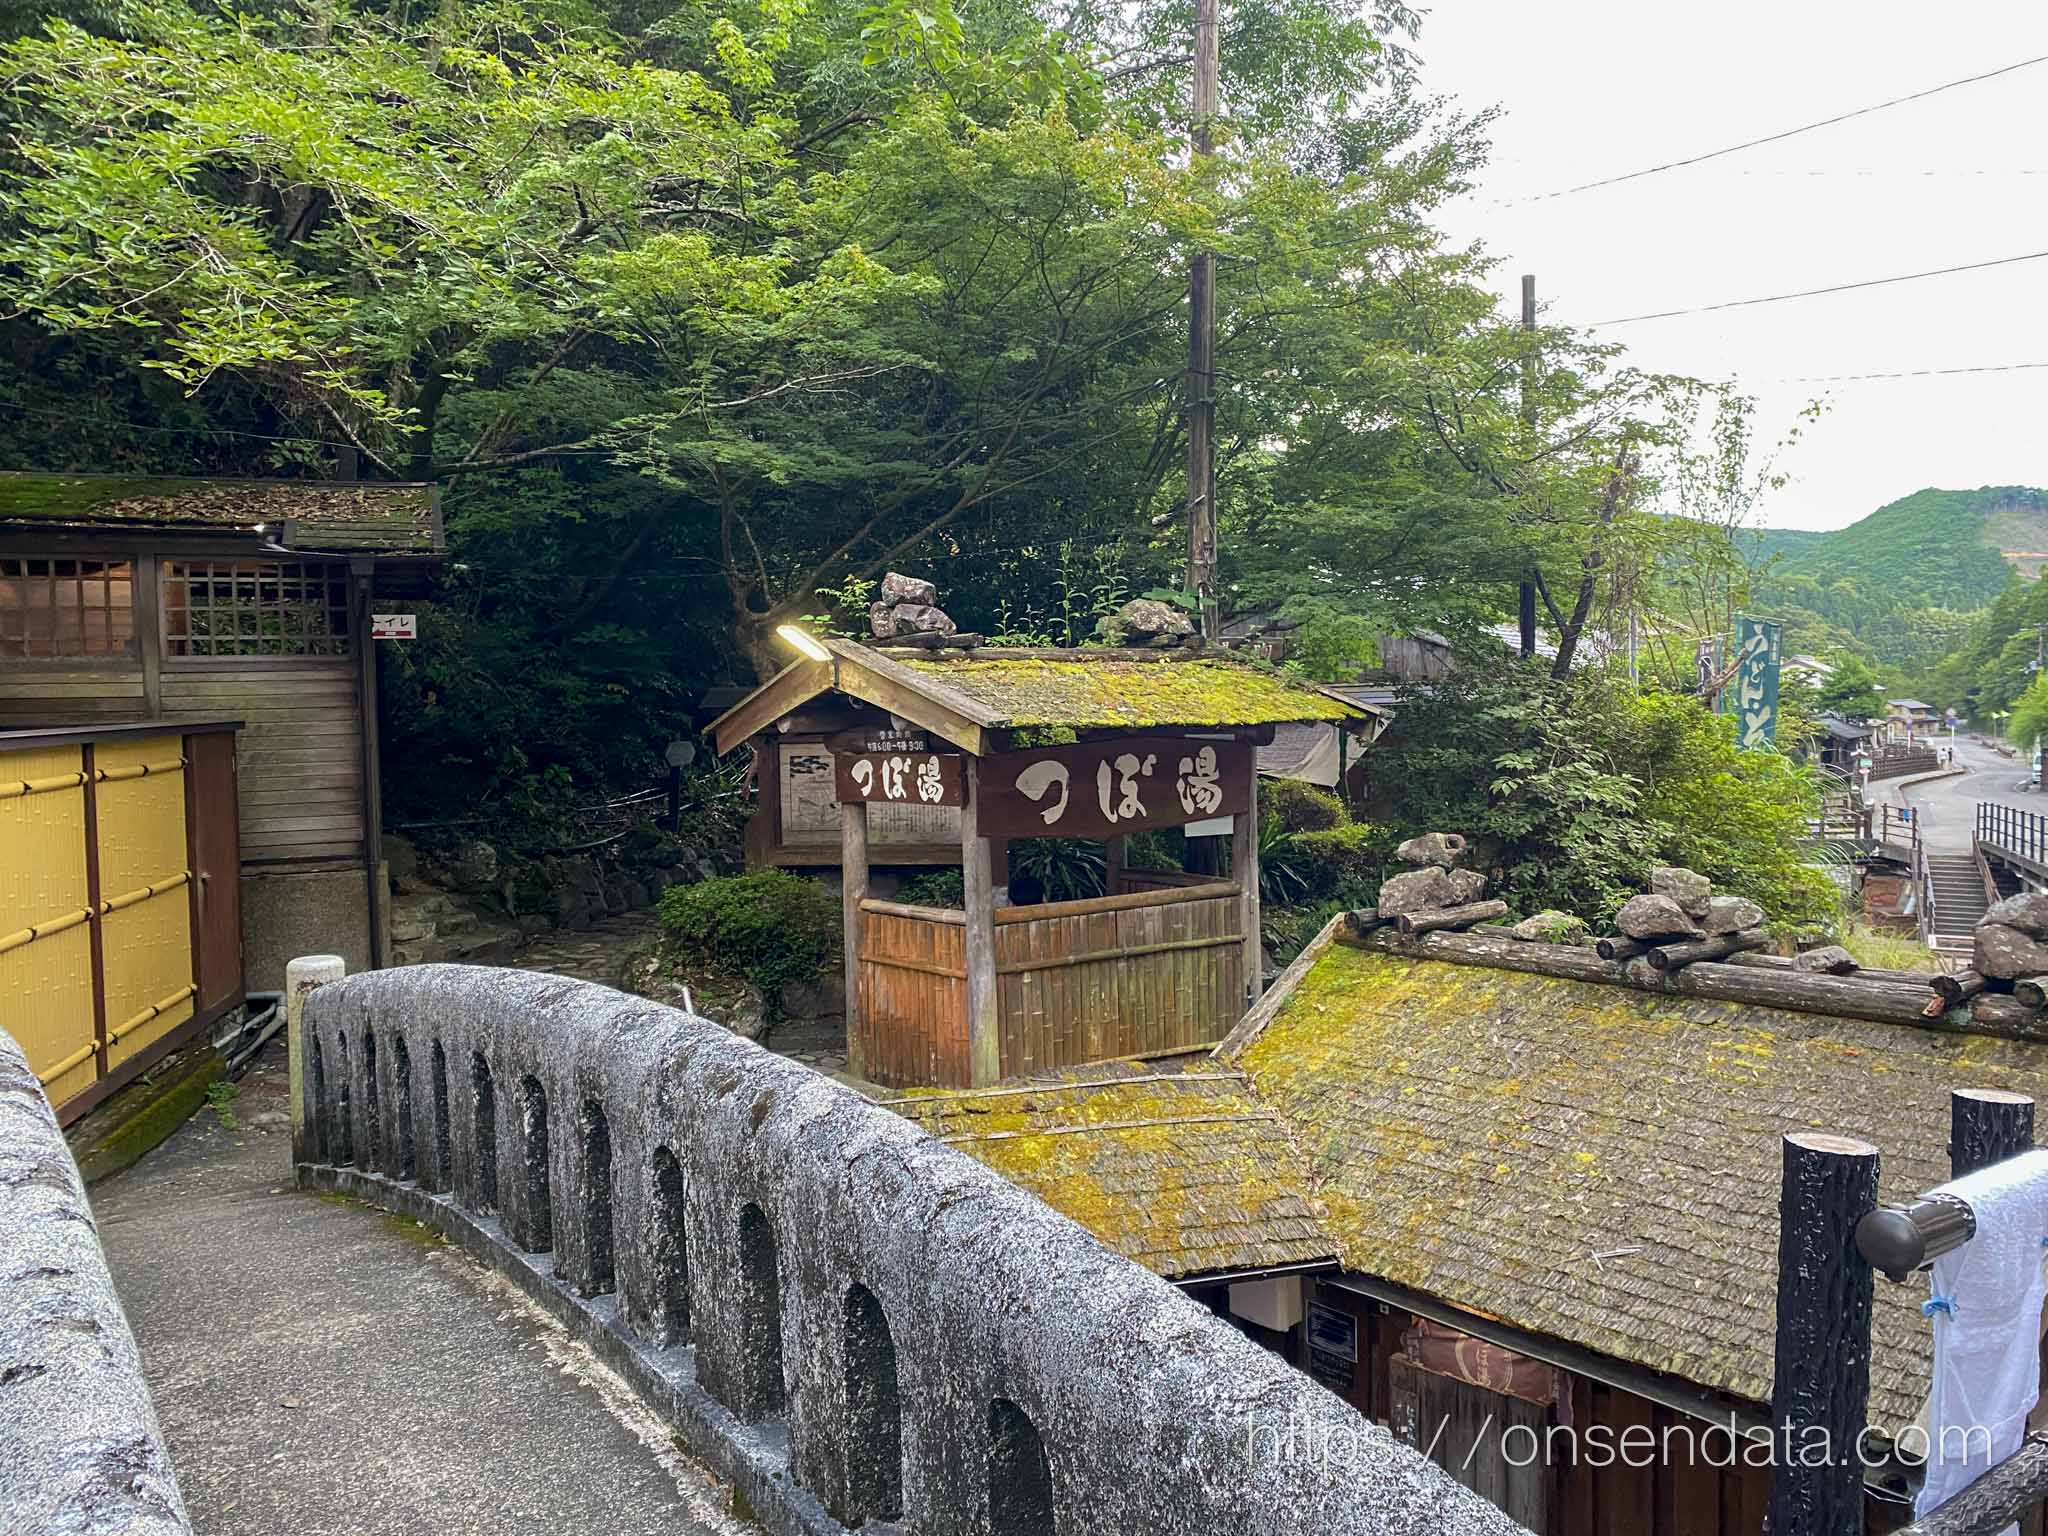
(1201, 383)
(1528, 591)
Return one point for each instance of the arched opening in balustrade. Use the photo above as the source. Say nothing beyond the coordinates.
(486, 1093)
(401, 1069)
(536, 1208)
(762, 1392)
(342, 1142)
(598, 1263)
(373, 1125)
(1019, 1476)
(442, 1174)
(320, 1109)
(874, 1414)
(668, 1250)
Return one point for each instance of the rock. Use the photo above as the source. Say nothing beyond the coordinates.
(1442, 849)
(474, 869)
(882, 620)
(2027, 912)
(898, 588)
(1146, 621)
(402, 860)
(1466, 885)
(747, 1017)
(1419, 890)
(706, 870)
(2009, 954)
(921, 619)
(1693, 892)
(1655, 918)
(1829, 960)
(824, 998)
(1551, 927)
(1732, 914)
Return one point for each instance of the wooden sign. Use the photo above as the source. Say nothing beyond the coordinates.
(899, 778)
(394, 626)
(1107, 788)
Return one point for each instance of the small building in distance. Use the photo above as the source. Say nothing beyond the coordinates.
(127, 599)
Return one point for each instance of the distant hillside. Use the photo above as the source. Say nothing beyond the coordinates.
(1900, 579)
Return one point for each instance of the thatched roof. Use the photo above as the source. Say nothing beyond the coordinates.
(312, 515)
(1084, 691)
(1598, 1163)
(1183, 1174)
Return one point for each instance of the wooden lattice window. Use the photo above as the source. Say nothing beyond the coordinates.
(66, 608)
(255, 608)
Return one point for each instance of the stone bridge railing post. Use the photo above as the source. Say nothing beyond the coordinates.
(301, 976)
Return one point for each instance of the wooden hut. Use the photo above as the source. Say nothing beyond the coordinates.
(127, 599)
(923, 755)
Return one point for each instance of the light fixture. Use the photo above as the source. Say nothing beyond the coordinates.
(802, 642)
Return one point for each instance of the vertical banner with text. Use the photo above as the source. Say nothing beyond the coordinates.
(1753, 692)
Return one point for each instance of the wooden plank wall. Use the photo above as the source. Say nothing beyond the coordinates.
(301, 755)
(33, 694)
(1138, 980)
(913, 999)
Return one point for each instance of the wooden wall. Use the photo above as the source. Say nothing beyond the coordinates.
(301, 751)
(58, 693)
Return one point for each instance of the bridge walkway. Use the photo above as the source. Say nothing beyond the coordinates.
(323, 1367)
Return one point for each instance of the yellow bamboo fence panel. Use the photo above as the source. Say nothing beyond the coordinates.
(144, 901)
(46, 996)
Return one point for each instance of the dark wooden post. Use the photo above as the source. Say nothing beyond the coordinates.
(853, 882)
(984, 1040)
(1113, 866)
(1986, 1126)
(1244, 869)
(1821, 1382)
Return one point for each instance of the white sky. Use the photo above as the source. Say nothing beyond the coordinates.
(1592, 88)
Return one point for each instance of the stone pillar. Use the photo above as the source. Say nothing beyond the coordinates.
(853, 868)
(301, 976)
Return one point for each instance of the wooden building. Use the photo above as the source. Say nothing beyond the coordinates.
(120, 916)
(126, 599)
(929, 756)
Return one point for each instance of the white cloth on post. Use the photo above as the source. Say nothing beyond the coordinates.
(1986, 1310)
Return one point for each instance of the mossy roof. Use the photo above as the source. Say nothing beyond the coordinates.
(1083, 692)
(1184, 1174)
(369, 516)
(1601, 1164)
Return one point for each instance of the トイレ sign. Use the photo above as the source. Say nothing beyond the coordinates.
(394, 626)
(899, 778)
(1100, 789)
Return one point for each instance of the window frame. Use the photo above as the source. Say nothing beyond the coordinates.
(334, 579)
(130, 657)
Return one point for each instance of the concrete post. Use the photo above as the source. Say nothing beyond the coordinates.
(301, 976)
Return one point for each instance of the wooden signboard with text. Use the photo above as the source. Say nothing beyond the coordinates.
(1101, 789)
(899, 778)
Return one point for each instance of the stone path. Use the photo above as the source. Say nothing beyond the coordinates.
(323, 1367)
(600, 953)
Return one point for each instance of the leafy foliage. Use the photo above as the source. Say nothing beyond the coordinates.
(771, 927)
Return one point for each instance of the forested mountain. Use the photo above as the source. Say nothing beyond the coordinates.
(1904, 582)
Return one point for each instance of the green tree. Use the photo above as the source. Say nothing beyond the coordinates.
(2029, 720)
(1851, 690)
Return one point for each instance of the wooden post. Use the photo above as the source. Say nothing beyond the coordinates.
(1821, 1379)
(1986, 1126)
(853, 883)
(984, 1038)
(999, 869)
(1113, 866)
(1244, 869)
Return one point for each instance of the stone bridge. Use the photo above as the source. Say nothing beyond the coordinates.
(849, 1321)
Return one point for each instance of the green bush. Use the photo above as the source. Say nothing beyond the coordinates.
(938, 888)
(771, 927)
(1159, 851)
(1297, 807)
(1337, 858)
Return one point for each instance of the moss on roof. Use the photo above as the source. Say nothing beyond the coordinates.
(1184, 1175)
(327, 514)
(1597, 1163)
(1090, 694)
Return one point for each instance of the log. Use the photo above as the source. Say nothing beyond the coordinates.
(1959, 988)
(1671, 957)
(1763, 962)
(1363, 921)
(2007, 1016)
(1996, 1499)
(1619, 946)
(1986, 1126)
(1414, 924)
(1820, 1381)
(2032, 991)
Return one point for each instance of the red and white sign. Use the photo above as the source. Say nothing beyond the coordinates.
(394, 626)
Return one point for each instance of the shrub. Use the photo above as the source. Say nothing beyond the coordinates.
(938, 888)
(1055, 869)
(1297, 807)
(1160, 850)
(1337, 858)
(771, 927)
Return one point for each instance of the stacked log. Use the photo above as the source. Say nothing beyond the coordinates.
(1434, 895)
(1680, 922)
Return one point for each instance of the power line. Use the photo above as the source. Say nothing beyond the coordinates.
(1911, 373)
(1773, 138)
(1809, 293)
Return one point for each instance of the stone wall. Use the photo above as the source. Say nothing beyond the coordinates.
(80, 1449)
(846, 1318)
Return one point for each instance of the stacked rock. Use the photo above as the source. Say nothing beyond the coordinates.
(1681, 909)
(2012, 939)
(1435, 894)
(908, 606)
